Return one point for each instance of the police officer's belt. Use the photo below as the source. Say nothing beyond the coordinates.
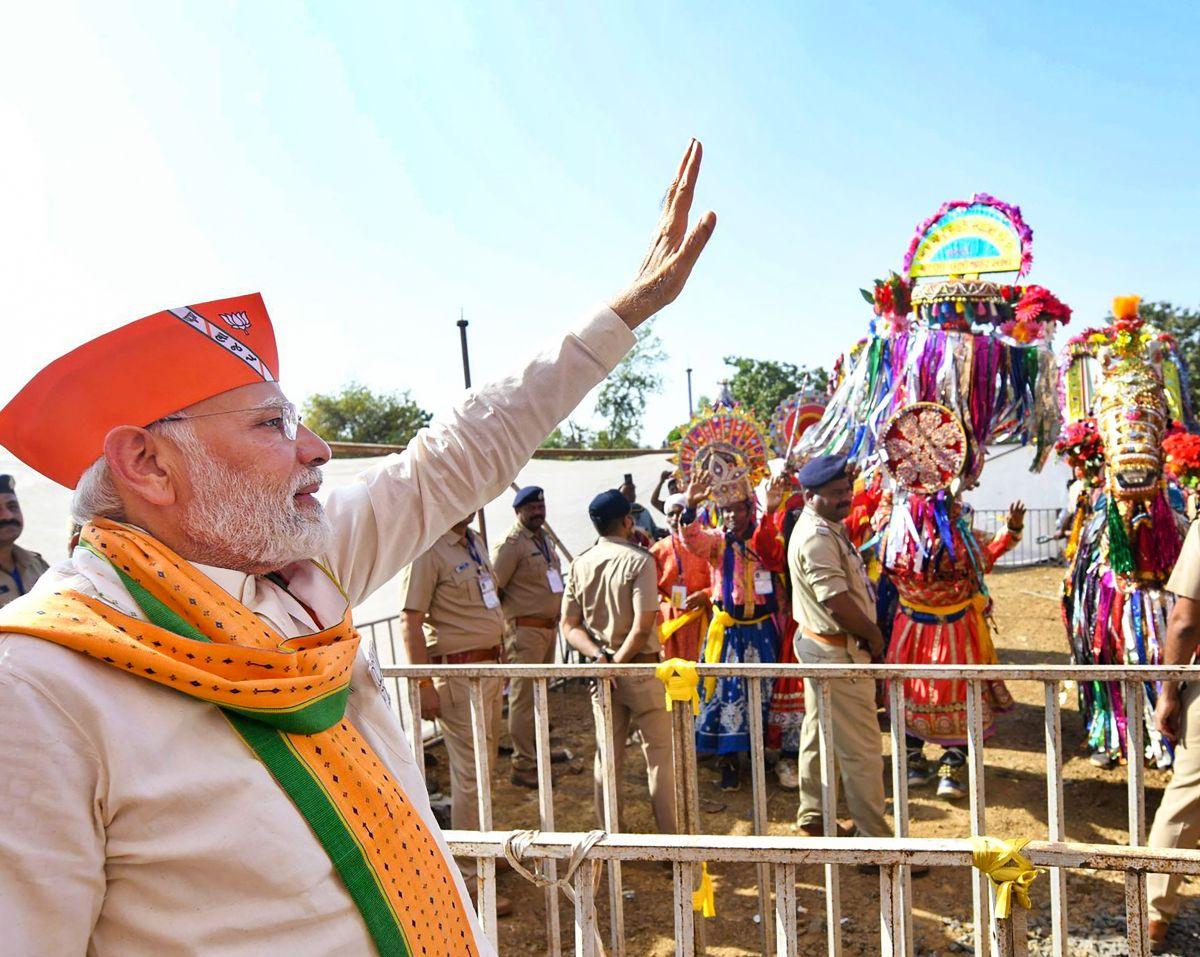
(476, 656)
(525, 621)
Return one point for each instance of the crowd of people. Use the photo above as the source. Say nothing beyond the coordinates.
(727, 582)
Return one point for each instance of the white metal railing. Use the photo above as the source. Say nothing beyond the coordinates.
(894, 856)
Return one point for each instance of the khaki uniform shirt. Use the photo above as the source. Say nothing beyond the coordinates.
(607, 585)
(823, 562)
(522, 567)
(136, 821)
(448, 584)
(30, 566)
(1185, 579)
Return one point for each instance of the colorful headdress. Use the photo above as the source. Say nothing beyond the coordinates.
(729, 445)
(1127, 342)
(793, 417)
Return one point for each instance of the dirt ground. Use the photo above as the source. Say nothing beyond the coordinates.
(1030, 633)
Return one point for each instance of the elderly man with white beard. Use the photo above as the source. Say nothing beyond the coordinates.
(197, 758)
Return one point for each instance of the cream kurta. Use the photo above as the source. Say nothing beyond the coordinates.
(136, 822)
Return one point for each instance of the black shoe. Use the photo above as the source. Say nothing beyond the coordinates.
(731, 778)
(920, 771)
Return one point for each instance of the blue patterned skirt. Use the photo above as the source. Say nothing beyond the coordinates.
(723, 726)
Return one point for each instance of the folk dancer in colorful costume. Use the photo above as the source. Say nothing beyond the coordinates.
(952, 364)
(684, 588)
(1121, 387)
(722, 457)
(206, 761)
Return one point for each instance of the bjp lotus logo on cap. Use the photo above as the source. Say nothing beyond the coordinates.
(236, 320)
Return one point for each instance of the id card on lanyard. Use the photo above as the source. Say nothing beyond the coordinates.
(679, 595)
(553, 575)
(487, 584)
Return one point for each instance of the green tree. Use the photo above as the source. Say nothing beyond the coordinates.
(570, 435)
(761, 384)
(356, 414)
(623, 396)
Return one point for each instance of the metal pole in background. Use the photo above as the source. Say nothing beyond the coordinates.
(466, 357)
(691, 411)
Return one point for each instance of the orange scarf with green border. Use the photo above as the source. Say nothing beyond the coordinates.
(287, 699)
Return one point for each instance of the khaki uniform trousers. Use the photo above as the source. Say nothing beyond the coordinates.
(525, 646)
(856, 747)
(1177, 823)
(454, 695)
(640, 701)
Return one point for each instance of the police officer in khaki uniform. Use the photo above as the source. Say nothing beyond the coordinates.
(610, 612)
(529, 580)
(19, 567)
(835, 612)
(1177, 716)
(452, 616)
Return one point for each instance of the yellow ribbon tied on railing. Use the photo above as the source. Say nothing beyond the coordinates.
(703, 899)
(680, 682)
(1009, 870)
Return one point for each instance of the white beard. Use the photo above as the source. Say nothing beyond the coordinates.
(246, 525)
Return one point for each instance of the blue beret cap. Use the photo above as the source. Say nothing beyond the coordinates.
(530, 493)
(608, 506)
(821, 470)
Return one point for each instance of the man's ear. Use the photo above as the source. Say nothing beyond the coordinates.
(142, 464)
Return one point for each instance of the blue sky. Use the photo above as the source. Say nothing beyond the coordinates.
(373, 168)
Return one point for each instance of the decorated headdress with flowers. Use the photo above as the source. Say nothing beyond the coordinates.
(728, 444)
(942, 333)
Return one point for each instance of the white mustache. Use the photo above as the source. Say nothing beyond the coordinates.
(309, 477)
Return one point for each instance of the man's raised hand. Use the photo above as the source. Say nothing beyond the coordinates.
(698, 488)
(673, 249)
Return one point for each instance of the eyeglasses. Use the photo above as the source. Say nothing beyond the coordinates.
(289, 417)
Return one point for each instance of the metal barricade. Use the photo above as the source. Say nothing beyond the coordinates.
(777, 857)
(1038, 545)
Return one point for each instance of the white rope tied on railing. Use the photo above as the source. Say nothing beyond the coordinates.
(517, 844)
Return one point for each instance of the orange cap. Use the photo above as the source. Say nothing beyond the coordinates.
(135, 375)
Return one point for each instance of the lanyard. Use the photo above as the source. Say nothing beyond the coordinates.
(544, 547)
(473, 551)
(678, 556)
(16, 576)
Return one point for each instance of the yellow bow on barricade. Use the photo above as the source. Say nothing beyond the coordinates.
(702, 898)
(1008, 869)
(680, 682)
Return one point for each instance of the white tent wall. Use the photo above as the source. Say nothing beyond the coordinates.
(569, 486)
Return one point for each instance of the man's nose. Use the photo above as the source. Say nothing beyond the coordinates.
(311, 449)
